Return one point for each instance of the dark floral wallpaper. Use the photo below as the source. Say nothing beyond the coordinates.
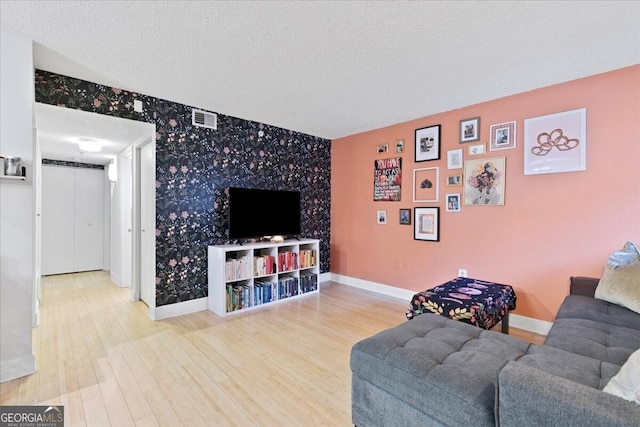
(71, 164)
(193, 167)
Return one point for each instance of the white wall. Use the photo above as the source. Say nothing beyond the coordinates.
(17, 275)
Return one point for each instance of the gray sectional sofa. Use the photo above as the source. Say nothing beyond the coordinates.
(436, 371)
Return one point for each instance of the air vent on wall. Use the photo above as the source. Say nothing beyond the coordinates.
(204, 119)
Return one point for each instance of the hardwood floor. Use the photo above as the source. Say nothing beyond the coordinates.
(100, 356)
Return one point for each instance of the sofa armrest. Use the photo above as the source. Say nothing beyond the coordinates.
(585, 286)
(526, 396)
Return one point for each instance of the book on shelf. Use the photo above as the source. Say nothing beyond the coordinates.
(264, 265)
(308, 282)
(238, 297)
(308, 258)
(288, 287)
(287, 261)
(238, 268)
(264, 292)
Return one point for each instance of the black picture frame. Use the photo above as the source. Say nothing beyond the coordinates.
(427, 143)
(426, 224)
(405, 216)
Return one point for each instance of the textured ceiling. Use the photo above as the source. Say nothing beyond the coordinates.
(329, 69)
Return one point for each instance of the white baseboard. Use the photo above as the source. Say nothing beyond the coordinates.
(521, 322)
(116, 279)
(192, 306)
(530, 324)
(17, 368)
(178, 309)
(378, 288)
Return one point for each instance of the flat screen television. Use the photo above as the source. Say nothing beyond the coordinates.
(255, 213)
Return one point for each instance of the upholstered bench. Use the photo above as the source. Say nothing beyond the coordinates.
(477, 302)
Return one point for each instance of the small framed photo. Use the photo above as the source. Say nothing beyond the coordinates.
(382, 217)
(484, 181)
(454, 159)
(425, 184)
(454, 180)
(400, 146)
(383, 148)
(426, 224)
(427, 143)
(470, 130)
(453, 202)
(476, 149)
(405, 216)
(503, 136)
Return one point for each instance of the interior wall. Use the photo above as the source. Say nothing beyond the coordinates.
(193, 164)
(17, 273)
(552, 226)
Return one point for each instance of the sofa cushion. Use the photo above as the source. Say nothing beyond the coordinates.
(444, 367)
(626, 383)
(620, 282)
(584, 370)
(582, 307)
(595, 339)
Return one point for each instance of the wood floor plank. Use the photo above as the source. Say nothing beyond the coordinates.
(100, 356)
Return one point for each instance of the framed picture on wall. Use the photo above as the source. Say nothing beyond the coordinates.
(453, 202)
(427, 143)
(470, 130)
(425, 184)
(426, 224)
(382, 217)
(405, 216)
(484, 181)
(454, 180)
(503, 136)
(454, 159)
(476, 149)
(556, 143)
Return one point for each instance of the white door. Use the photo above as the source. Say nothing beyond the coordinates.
(57, 220)
(72, 219)
(89, 220)
(125, 180)
(148, 224)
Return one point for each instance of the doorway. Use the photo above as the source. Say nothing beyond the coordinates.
(58, 130)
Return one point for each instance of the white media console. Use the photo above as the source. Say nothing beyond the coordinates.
(248, 276)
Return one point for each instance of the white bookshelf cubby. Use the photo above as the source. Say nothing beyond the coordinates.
(252, 275)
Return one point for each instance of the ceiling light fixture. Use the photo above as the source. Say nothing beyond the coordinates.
(90, 145)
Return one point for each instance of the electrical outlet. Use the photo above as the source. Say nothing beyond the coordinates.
(462, 272)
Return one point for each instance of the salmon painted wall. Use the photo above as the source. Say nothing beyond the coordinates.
(552, 226)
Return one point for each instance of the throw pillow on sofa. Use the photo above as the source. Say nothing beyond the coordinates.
(620, 282)
(626, 383)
